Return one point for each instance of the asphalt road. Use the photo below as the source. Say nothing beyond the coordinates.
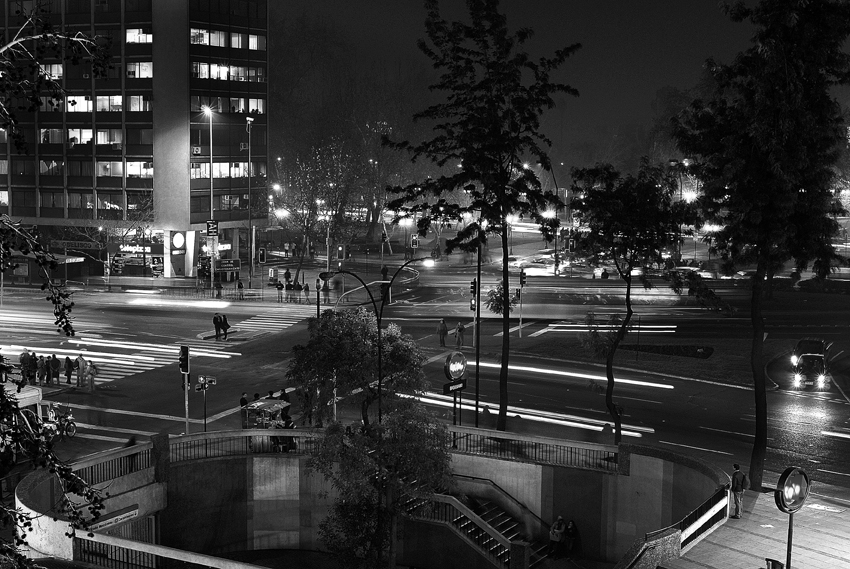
(135, 338)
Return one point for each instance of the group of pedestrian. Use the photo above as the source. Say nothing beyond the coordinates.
(292, 291)
(563, 538)
(443, 331)
(47, 370)
(221, 325)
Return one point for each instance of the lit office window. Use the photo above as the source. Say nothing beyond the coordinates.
(256, 42)
(218, 39)
(199, 170)
(221, 169)
(109, 136)
(51, 135)
(53, 70)
(109, 103)
(218, 71)
(238, 41)
(140, 69)
(200, 70)
(79, 104)
(140, 169)
(51, 167)
(4, 167)
(111, 169)
(79, 135)
(139, 35)
(199, 36)
(138, 103)
(257, 106)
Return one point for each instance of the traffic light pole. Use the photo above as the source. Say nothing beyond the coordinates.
(477, 335)
(186, 399)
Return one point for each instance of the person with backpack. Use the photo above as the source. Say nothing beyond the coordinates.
(740, 482)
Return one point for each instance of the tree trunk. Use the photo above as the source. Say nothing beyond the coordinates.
(506, 337)
(613, 408)
(759, 387)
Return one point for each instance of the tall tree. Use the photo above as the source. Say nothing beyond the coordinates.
(374, 467)
(632, 218)
(26, 83)
(766, 141)
(486, 129)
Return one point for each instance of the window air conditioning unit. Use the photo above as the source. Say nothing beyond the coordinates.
(243, 146)
(116, 146)
(196, 150)
(86, 76)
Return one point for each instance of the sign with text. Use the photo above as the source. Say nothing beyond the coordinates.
(212, 227)
(228, 264)
(60, 244)
(455, 366)
(452, 386)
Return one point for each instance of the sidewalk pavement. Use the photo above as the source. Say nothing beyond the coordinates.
(821, 536)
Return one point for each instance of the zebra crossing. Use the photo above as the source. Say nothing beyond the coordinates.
(276, 319)
(114, 359)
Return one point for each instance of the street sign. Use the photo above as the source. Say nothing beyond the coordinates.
(208, 379)
(452, 386)
(212, 227)
(199, 387)
(61, 244)
(228, 264)
(324, 275)
(455, 366)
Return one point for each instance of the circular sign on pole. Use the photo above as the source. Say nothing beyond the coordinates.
(455, 366)
(324, 275)
(792, 490)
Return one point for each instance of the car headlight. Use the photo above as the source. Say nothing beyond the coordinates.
(798, 380)
(821, 380)
(794, 360)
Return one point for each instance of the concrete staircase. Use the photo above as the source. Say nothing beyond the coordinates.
(498, 519)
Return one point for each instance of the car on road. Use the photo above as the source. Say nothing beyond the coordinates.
(541, 267)
(810, 365)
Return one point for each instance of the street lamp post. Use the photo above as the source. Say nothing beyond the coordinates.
(249, 120)
(209, 112)
(379, 313)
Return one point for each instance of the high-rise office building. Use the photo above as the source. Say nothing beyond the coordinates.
(145, 156)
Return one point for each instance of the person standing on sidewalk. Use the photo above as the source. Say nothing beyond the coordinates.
(459, 330)
(442, 332)
(556, 537)
(217, 324)
(739, 484)
(55, 369)
(240, 289)
(69, 369)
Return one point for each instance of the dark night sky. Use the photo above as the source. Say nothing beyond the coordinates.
(631, 48)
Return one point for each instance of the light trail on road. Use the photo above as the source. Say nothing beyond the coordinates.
(575, 374)
(154, 348)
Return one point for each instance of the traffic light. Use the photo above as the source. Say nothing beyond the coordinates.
(262, 255)
(572, 245)
(522, 278)
(340, 252)
(472, 304)
(518, 292)
(184, 359)
(473, 287)
(414, 241)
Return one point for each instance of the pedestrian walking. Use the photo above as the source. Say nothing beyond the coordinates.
(240, 288)
(279, 286)
(326, 293)
(442, 332)
(69, 369)
(286, 250)
(306, 293)
(287, 276)
(41, 369)
(80, 365)
(55, 369)
(217, 325)
(459, 331)
(224, 325)
(739, 484)
(218, 289)
(556, 537)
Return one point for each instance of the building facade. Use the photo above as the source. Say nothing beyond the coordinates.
(144, 157)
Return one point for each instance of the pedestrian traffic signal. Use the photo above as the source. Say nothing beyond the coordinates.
(473, 287)
(522, 278)
(414, 241)
(472, 304)
(518, 292)
(572, 245)
(262, 255)
(184, 359)
(340, 252)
